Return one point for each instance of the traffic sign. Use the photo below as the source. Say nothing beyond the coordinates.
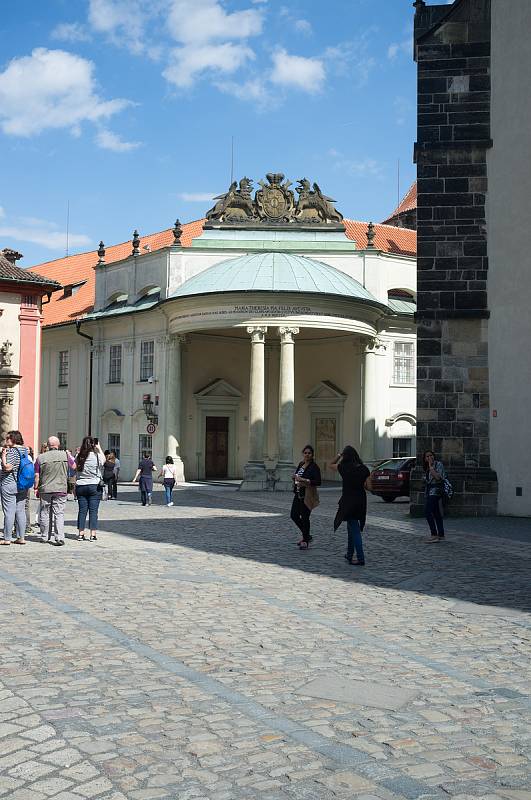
(151, 427)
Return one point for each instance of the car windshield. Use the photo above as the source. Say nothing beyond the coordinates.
(394, 465)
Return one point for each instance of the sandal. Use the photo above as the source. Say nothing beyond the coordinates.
(304, 545)
(20, 541)
(81, 537)
(357, 563)
(4, 543)
(93, 538)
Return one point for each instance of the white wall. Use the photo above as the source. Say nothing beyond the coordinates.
(509, 240)
(10, 331)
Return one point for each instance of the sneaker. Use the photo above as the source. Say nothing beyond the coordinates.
(169, 505)
(431, 539)
(59, 542)
(149, 501)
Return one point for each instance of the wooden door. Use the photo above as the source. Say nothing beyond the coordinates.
(326, 445)
(217, 447)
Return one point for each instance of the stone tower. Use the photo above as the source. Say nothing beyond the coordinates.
(452, 50)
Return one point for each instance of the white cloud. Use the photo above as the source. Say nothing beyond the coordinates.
(191, 62)
(123, 21)
(51, 89)
(201, 21)
(41, 232)
(303, 26)
(196, 197)
(395, 49)
(70, 32)
(299, 72)
(2, 212)
(108, 140)
(254, 90)
(366, 167)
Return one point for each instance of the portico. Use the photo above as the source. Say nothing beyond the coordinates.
(269, 329)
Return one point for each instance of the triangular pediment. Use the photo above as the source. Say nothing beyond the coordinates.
(218, 388)
(326, 390)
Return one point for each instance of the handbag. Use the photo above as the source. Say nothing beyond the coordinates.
(311, 497)
(448, 489)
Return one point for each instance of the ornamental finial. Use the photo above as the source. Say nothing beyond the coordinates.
(177, 232)
(370, 234)
(101, 253)
(418, 4)
(136, 243)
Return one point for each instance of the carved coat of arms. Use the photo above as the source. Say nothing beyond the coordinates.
(274, 203)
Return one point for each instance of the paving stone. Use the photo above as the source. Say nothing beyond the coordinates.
(183, 671)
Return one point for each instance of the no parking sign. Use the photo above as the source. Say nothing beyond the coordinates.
(151, 428)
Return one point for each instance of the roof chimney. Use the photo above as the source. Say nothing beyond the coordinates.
(11, 255)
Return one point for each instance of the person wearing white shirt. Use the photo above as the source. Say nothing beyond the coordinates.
(168, 475)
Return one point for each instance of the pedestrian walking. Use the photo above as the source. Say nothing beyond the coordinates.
(144, 475)
(51, 482)
(16, 477)
(37, 523)
(89, 486)
(352, 507)
(306, 479)
(169, 479)
(114, 482)
(434, 476)
(108, 474)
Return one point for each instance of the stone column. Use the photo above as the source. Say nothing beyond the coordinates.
(173, 401)
(254, 472)
(286, 405)
(373, 351)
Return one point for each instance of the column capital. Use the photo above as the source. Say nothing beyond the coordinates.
(287, 333)
(172, 341)
(98, 350)
(375, 346)
(257, 333)
(129, 345)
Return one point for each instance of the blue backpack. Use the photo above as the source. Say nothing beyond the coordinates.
(26, 472)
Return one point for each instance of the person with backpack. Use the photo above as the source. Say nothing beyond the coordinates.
(352, 506)
(51, 481)
(16, 477)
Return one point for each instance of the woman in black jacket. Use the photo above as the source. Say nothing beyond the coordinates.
(306, 478)
(353, 501)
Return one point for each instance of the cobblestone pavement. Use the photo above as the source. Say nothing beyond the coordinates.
(195, 652)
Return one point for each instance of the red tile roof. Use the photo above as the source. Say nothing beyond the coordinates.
(409, 202)
(74, 269)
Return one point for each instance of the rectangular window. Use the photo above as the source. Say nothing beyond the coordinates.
(63, 368)
(402, 448)
(114, 443)
(404, 364)
(115, 363)
(62, 440)
(147, 350)
(145, 446)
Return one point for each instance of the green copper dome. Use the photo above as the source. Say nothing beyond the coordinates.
(274, 272)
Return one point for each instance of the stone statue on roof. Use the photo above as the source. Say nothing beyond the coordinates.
(274, 204)
(314, 206)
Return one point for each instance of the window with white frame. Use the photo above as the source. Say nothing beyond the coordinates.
(402, 447)
(61, 435)
(114, 443)
(147, 352)
(404, 364)
(63, 368)
(145, 446)
(115, 363)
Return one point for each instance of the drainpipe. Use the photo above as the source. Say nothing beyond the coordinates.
(91, 364)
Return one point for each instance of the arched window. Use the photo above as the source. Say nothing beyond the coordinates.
(116, 300)
(149, 294)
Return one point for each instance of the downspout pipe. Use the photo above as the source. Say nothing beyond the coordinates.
(91, 369)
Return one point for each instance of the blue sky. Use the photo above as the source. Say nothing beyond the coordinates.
(126, 109)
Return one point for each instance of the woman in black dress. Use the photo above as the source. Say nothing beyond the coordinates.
(306, 478)
(353, 501)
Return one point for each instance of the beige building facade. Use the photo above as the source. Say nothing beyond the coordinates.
(234, 350)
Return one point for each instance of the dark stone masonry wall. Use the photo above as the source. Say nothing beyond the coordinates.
(452, 45)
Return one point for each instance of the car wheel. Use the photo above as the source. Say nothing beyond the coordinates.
(388, 498)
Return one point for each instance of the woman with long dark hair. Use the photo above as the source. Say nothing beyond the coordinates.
(89, 485)
(306, 479)
(13, 500)
(144, 475)
(434, 475)
(353, 501)
(169, 477)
